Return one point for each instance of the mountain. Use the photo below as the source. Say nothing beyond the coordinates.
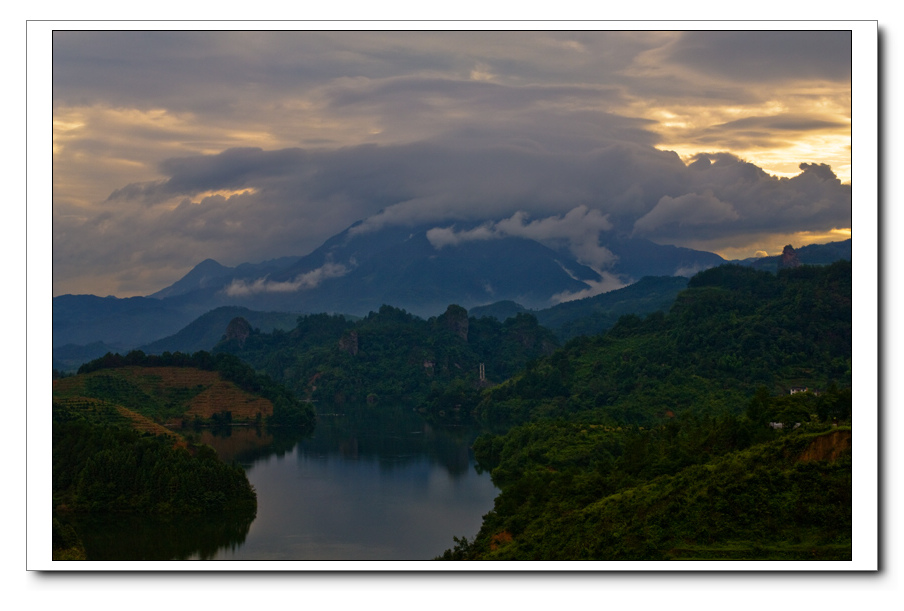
(209, 274)
(785, 498)
(126, 440)
(68, 358)
(392, 357)
(593, 315)
(599, 313)
(129, 322)
(204, 332)
(360, 269)
(204, 274)
(638, 258)
(814, 254)
(500, 310)
(356, 273)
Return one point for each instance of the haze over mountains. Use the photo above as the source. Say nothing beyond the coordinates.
(421, 269)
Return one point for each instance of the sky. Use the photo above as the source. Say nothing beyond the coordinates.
(173, 147)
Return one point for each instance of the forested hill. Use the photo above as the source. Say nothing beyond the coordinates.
(393, 356)
(597, 314)
(733, 329)
(678, 436)
(173, 387)
(126, 439)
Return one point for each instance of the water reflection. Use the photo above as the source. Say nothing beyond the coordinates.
(370, 483)
(113, 537)
(391, 436)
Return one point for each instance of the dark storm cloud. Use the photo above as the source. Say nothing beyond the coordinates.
(203, 71)
(766, 56)
(483, 94)
(297, 197)
(172, 147)
(733, 197)
(148, 67)
(777, 122)
(230, 169)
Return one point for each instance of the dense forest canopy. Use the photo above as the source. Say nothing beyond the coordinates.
(125, 439)
(732, 331)
(677, 436)
(393, 356)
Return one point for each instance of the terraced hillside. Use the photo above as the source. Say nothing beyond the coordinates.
(155, 396)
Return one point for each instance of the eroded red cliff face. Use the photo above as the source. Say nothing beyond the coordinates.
(828, 447)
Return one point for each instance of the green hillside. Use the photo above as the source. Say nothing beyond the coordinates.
(125, 439)
(677, 436)
(175, 390)
(573, 493)
(391, 356)
(733, 330)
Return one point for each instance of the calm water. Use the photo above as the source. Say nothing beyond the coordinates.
(371, 483)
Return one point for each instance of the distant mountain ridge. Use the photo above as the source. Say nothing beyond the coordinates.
(209, 274)
(129, 322)
(204, 332)
(357, 271)
(202, 275)
(593, 315)
(596, 314)
(814, 254)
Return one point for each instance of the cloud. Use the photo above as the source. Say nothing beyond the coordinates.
(172, 147)
(308, 280)
(689, 210)
(783, 122)
(608, 282)
(440, 237)
(252, 205)
(727, 198)
(578, 231)
(689, 270)
(765, 55)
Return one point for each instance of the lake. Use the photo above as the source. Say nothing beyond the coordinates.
(371, 483)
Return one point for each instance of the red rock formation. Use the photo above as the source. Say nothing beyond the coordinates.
(238, 329)
(349, 343)
(789, 258)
